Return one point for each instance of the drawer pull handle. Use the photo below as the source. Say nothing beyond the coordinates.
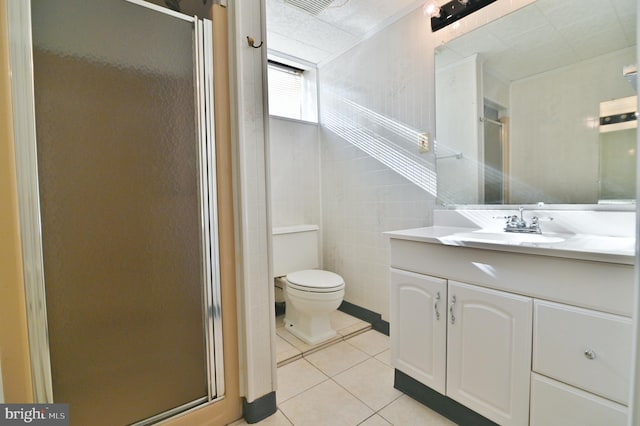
(451, 315)
(435, 306)
(590, 354)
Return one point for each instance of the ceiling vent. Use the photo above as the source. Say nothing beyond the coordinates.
(314, 7)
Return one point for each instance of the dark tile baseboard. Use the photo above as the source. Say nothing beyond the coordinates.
(439, 403)
(259, 409)
(373, 318)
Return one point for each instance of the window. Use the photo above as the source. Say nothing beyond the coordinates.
(291, 92)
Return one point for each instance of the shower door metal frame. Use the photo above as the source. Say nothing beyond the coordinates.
(23, 100)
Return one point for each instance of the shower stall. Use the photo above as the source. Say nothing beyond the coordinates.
(116, 174)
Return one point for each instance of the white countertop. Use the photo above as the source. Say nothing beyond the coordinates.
(574, 246)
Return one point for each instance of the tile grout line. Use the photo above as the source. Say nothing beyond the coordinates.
(332, 378)
(327, 377)
(355, 396)
(342, 338)
(322, 346)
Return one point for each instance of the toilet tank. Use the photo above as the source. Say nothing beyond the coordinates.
(295, 248)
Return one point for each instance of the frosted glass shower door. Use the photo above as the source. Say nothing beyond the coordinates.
(126, 231)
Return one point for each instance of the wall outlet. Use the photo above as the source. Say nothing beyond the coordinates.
(424, 142)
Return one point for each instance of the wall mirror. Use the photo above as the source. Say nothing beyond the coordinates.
(540, 106)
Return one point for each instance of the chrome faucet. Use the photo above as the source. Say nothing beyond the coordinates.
(518, 224)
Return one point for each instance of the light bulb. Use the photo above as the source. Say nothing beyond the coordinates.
(431, 9)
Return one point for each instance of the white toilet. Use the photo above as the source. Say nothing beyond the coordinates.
(311, 294)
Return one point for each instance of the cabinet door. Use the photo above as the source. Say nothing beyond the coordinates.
(489, 352)
(418, 327)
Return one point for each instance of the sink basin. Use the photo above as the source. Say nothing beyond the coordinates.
(505, 237)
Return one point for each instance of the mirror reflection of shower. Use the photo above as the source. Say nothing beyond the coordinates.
(494, 158)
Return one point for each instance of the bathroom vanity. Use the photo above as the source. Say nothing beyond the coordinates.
(524, 330)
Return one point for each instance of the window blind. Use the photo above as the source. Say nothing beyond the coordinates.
(285, 91)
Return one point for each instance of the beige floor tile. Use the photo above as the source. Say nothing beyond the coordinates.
(375, 420)
(276, 419)
(336, 358)
(285, 350)
(297, 377)
(293, 340)
(354, 329)
(325, 404)
(341, 320)
(371, 382)
(385, 357)
(371, 342)
(404, 411)
(302, 346)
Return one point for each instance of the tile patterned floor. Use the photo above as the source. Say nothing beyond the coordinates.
(349, 383)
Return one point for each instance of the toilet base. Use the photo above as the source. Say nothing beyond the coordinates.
(308, 314)
(311, 330)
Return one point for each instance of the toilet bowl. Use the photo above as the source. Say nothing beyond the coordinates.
(311, 296)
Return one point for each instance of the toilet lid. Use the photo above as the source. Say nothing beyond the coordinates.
(315, 280)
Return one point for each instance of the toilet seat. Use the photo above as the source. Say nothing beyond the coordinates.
(315, 281)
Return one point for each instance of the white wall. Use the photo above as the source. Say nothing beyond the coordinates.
(547, 112)
(458, 96)
(295, 172)
(495, 88)
(256, 321)
(374, 101)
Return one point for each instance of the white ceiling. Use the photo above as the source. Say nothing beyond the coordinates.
(546, 35)
(543, 36)
(314, 39)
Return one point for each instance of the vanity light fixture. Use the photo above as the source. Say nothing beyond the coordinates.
(455, 10)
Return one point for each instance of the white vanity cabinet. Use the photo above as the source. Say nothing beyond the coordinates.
(480, 337)
(521, 339)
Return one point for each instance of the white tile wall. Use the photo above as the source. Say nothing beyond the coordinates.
(374, 101)
(546, 116)
(295, 172)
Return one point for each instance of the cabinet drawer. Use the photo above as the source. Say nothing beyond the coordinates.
(556, 404)
(587, 349)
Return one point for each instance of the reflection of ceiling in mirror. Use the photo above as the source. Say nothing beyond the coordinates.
(546, 35)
